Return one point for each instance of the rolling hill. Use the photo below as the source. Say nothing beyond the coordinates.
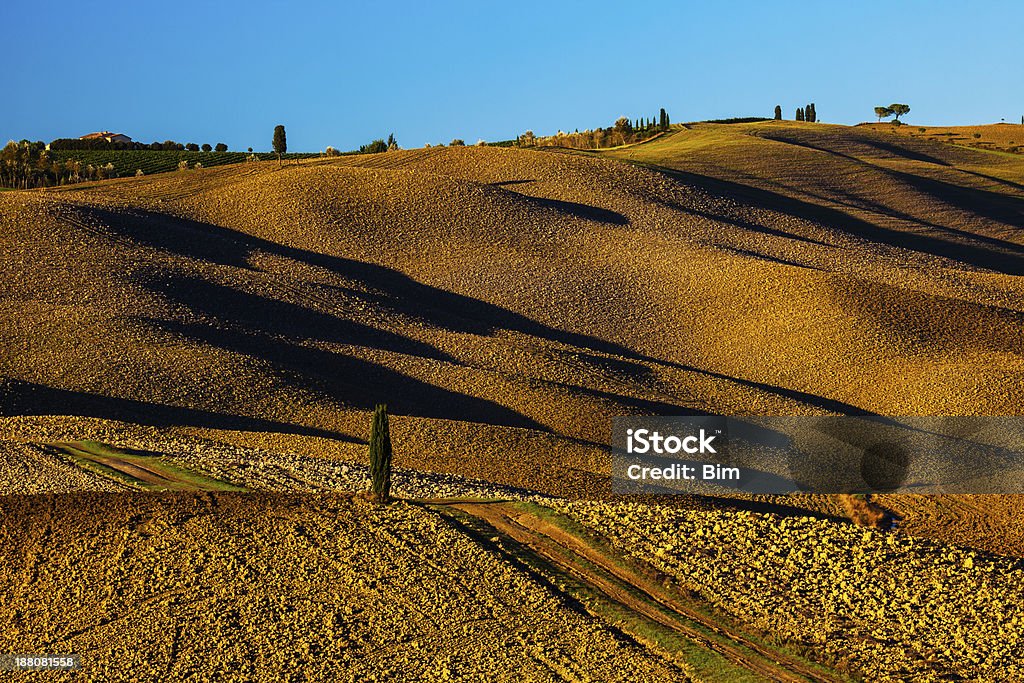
(775, 269)
(506, 303)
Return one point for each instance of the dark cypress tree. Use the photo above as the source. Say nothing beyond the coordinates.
(799, 113)
(814, 113)
(778, 112)
(663, 119)
(280, 142)
(380, 454)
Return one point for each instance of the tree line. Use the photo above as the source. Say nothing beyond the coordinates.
(808, 113)
(24, 165)
(625, 131)
(61, 144)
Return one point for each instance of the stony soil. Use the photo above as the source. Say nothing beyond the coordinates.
(278, 588)
(888, 605)
(506, 304)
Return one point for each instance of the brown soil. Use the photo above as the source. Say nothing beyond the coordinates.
(637, 590)
(254, 587)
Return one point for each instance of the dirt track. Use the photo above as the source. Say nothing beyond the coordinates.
(625, 584)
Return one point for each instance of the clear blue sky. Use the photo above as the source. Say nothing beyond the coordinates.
(341, 73)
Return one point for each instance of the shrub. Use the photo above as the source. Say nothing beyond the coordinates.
(977, 135)
(738, 119)
(380, 454)
(331, 152)
(921, 130)
(864, 512)
(138, 172)
(457, 142)
(198, 166)
(481, 143)
(375, 147)
(183, 165)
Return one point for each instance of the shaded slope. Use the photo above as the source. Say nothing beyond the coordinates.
(507, 303)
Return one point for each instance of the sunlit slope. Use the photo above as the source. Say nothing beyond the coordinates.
(1005, 137)
(928, 237)
(258, 588)
(506, 303)
(935, 199)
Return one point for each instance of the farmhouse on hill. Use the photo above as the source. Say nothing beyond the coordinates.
(108, 136)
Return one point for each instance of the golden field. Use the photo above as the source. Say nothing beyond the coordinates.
(506, 303)
(1007, 137)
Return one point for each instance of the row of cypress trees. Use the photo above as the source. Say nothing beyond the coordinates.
(807, 113)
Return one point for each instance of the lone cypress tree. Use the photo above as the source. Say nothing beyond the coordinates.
(280, 142)
(380, 454)
(778, 112)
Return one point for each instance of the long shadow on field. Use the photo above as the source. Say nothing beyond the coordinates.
(353, 381)
(994, 206)
(385, 287)
(396, 291)
(968, 249)
(904, 152)
(817, 141)
(28, 398)
(573, 209)
(279, 318)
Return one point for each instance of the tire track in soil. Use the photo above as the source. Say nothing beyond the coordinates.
(621, 585)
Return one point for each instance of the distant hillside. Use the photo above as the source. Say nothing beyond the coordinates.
(506, 303)
(1007, 137)
(127, 162)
